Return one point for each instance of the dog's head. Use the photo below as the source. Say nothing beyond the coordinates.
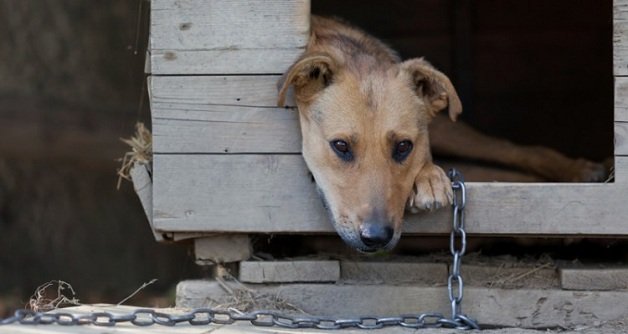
(365, 139)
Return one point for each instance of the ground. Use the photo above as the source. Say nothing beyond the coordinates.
(614, 327)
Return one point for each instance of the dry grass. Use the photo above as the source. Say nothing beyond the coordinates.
(141, 144)
(52, 295)
(136, 291)
(500, 281)
(243, 299)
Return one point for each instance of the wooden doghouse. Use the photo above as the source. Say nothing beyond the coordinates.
(227, 160)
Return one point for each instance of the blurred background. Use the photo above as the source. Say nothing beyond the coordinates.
(71, 84)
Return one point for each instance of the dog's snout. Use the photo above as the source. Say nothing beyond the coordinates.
(376, 235)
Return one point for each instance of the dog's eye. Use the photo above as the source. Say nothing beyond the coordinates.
(402, 150)
(342, 149)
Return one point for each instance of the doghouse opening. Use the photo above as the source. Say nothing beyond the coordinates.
(533, 72)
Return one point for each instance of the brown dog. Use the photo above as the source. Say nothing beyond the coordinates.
(364, 118)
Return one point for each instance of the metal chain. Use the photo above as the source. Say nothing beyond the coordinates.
(458, 247)
(206, 316)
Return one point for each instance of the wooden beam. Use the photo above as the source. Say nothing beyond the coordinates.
(143, 185)
(621, 99)
(594, 278)
(220, 37)
(621, 138)
(274, 194)
(391, 271)
(238, 61)
(198, 91)
(620, 37)
(530, 308)
(221, 114)
(222, 248)
(289, 271)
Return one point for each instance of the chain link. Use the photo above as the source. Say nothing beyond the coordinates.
(458, 247)
(206, 316)
(203, 317)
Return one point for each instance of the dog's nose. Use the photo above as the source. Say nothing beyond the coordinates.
(376, 235)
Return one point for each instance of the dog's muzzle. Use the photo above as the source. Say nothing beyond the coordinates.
(371, 236)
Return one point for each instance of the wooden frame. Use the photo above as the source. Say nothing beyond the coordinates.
(228, 160)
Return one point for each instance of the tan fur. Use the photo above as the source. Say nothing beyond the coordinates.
(350, 86)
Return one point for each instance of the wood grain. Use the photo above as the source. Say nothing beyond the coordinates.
(620, 37)
(274, 194)
(621, 99)
(221, 114)
(621, 138)
(212, 36)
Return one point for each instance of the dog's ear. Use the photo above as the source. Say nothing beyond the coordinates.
(308, 75)
(434, 86)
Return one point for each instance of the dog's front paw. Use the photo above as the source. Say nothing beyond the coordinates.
(432, 190)
(582, 170)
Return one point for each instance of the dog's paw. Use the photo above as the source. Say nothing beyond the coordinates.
(432, 190)
(586, 171)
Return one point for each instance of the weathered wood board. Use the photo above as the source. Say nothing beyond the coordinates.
(222, 248)
(143, 185)
(621, 138)
(621, 114)
(620, 37)
(274, 193)
(238, 114)
(289, 271)
(392, 272)
(221, 114)
(594, 278)
(621, 99)
(530, 308)
(220, 37)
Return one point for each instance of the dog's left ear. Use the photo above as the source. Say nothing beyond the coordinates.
(308, 75)
(434, 86)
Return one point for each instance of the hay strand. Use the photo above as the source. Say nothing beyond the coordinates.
(141, 144)
(137, 290)
(243, 299)
(65, 295)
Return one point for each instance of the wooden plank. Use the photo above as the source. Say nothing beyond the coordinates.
(620, 37)
(621, 138)
(621, 169)
(510, 276)
(289, 271)
(244, 36)
(409, 272)
(530, 308)
(253, 61)
(218, 114)
(227, 129)
(240, 90)
(594, 278)
(143, 185)
(621, 99)
(222, 249)
(274, 194)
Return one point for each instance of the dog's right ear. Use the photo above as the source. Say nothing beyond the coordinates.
(434, 86)
(308, 75)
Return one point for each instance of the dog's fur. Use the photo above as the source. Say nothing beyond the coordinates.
(354, 93)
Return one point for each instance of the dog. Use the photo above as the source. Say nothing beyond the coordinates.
(368, 120)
